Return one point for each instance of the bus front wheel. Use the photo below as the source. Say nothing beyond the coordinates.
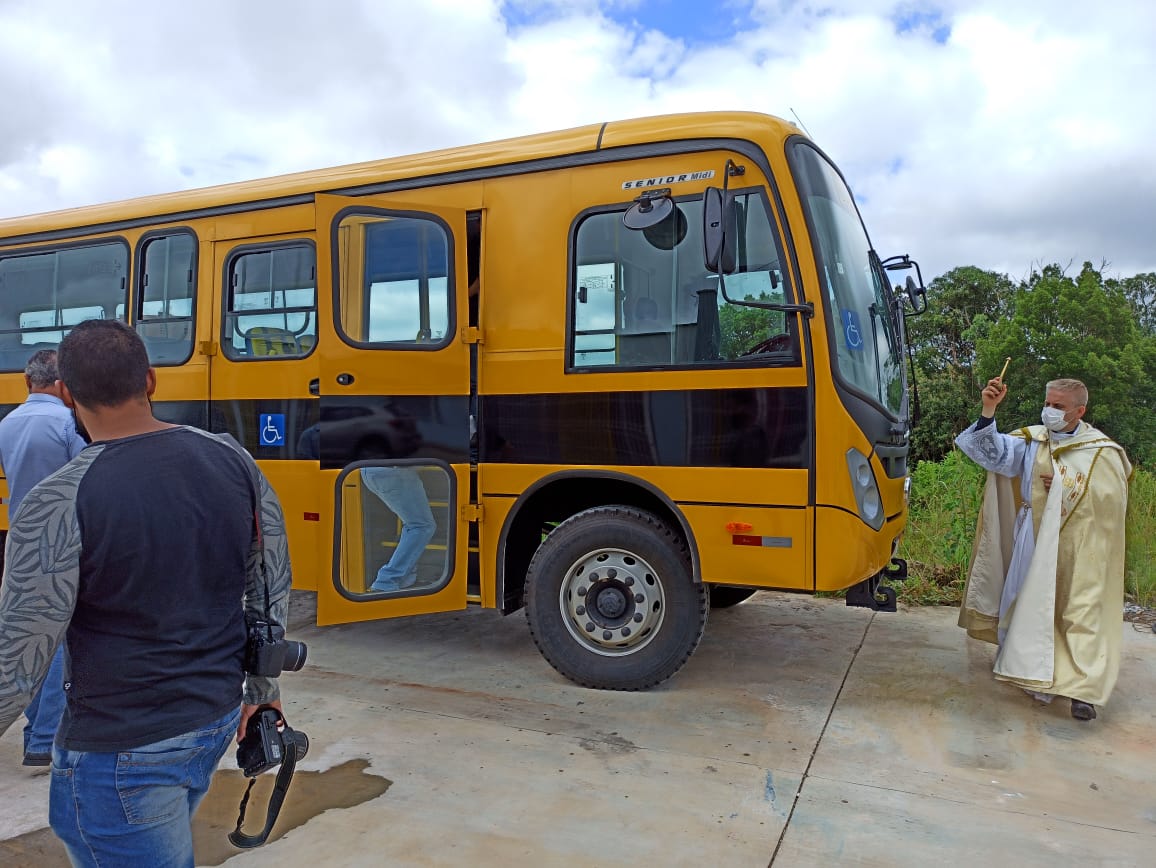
(611, 601)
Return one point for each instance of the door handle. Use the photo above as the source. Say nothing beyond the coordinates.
(315, 386)
(345, 379)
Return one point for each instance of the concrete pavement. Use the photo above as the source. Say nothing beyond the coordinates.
(800, 733)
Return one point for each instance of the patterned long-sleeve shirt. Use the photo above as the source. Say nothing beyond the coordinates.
(144, 553)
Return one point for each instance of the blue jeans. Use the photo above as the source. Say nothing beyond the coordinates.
(47, 705)
(135, 807)
(402, 491)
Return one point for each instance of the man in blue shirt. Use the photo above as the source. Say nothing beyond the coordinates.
(37, 439)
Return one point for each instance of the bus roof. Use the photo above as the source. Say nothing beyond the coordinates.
(429, 165)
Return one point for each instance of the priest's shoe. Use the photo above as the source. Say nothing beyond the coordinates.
(1083, 710)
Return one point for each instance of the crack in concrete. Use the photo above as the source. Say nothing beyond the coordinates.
(1033, 814)
(819, 740)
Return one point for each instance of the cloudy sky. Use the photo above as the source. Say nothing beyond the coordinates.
(997, 133)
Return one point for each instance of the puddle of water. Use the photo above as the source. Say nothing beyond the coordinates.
(310, 794)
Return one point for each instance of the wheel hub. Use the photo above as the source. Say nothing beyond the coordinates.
(612, 601)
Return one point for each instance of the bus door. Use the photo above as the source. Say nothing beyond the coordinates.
(263, 372)
(394, 393)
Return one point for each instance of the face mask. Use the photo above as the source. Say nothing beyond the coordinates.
(1053, 419)
(80, 427)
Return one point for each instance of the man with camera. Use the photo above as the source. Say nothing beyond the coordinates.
(159, 557)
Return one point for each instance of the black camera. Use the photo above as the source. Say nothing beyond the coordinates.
(268, 741)
(269, 653)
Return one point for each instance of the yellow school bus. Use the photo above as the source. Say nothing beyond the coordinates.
(612, 375)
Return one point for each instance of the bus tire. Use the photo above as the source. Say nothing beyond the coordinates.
(611, 601)
(723, 596)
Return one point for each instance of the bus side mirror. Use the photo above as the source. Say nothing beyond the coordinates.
(717, 241)
(917, 295)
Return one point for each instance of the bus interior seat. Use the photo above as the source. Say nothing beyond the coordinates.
(266, 341)
(649, 348)
(307, 343)
(684, 342)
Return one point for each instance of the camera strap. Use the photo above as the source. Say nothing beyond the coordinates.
(284, 776)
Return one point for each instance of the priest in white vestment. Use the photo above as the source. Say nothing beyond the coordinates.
(1046, 582)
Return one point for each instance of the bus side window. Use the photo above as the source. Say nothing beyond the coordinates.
(394, 283)
(43, 292)
(166, 291)
(644, 298)
(271, 302)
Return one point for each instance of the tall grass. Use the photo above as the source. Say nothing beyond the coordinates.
(1140, 553)
(945, 502)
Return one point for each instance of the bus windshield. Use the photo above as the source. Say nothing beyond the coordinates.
(865, 337)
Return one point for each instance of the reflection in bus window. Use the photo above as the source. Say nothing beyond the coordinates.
(271, 308)
(394, 280)
(164, 316)
(43, 293)
(643, 298)
(34, 322)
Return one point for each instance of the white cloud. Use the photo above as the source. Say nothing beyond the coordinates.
(1022, 135)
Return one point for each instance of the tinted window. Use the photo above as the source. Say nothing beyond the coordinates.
(44, 292)
(394, 282)
(271, 305)
(644, 298)
(165, 296)
(377, 503)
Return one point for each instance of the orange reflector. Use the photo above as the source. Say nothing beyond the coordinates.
(313, 516)
(738, 527)
(746, 540)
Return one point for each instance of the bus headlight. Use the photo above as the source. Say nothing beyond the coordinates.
(866, 491)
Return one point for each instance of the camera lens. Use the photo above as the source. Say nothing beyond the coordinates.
(294, 656)
(301, 743)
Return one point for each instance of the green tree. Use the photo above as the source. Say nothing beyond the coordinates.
(1082, 327)
(961, 305)
(1140, 291)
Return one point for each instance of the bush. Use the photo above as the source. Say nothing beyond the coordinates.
(945, 500)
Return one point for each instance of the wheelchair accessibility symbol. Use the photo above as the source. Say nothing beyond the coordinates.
(272, 429)
(851, 330)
